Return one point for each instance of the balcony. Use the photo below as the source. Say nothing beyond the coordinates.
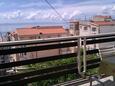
(78, 67)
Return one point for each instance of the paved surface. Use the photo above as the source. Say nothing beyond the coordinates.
(108, 81)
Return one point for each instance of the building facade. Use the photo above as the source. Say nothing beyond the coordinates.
(39, 32)
(74, 28)
(98, 25)
(101, 18)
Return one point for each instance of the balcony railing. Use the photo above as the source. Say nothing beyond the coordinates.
(77, 67)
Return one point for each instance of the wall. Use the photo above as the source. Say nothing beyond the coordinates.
(38, 54)
(74, 28)
(107, 29)
(88, 32)
(84, 32)
(98, 19)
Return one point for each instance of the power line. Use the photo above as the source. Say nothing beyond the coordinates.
(55, 10)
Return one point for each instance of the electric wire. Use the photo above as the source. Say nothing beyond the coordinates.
(55, 10)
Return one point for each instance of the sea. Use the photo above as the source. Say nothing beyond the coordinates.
(9, 27)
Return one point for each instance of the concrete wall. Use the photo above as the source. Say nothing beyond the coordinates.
(38, 54)
(84, 32)
(101, 19)
(74, 28)
(89, 30)
(107, 29)
(98, 19)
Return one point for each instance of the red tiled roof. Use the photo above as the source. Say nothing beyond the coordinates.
(43, 30)
(101, 16)
(103, 23)
(44, 27)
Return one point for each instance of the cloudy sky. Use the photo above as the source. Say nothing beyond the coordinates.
(39, 11)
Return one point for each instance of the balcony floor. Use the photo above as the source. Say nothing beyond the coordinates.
(108, 81)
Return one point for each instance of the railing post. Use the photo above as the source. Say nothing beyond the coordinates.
(100, 56)
(84, 56)
(78, 56)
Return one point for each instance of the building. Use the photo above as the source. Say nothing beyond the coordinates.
(104, 27)
(39, 32)
(101, 18)
(74, 28)
(98, 25)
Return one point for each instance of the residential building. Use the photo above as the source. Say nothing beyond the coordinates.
(104, 27)
(102, 18)
(98, 25)
(39, 32)
(74, 27)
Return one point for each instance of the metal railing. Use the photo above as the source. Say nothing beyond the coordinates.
(79, 67)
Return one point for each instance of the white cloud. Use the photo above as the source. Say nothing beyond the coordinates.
(109, 9)
(10, 15)
(66, 11)
(31, 15)
(75, 13)
(113, 8)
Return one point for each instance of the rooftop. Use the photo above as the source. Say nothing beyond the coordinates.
(102, 16)
(40, 29)
(103, 23)
(85, 23)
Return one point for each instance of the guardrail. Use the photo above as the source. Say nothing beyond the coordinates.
(77, 67)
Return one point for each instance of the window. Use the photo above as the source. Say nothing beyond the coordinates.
(85, 28)
(93, 29)
(76, 26)
(71, 26)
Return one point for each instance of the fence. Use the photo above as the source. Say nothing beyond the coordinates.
(78, 67)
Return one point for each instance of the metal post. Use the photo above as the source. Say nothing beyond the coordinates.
(84, 56)
(100, 56)
(90, 80)
(78, 57)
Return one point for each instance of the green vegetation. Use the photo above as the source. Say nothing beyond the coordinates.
(52, 63)
(60, 62)
(55, 80)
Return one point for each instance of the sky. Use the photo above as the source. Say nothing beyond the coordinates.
(19, 11)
